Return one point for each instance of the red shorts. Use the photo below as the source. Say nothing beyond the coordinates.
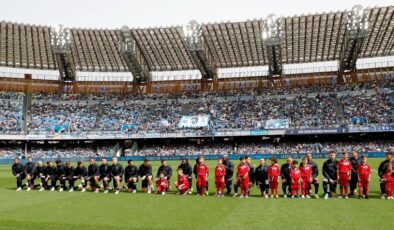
(245, 183)
(295, 186)
(273, 182)
(363, 182)
(219, 182)
(343, 179)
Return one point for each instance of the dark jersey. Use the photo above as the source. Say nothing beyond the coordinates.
(116, 170)
(251, 173)
(130, 171)
(39, 171)
(50, 171)
(330, 168)
(261, 174)
(104, 170)
(285, 172)
(167, 171)
(60, 170)
(145, 170)
(69, 171)
(186, 168)
(80, 171)
(315, 169)
(355, 162)
(93, 170)
(18, 169)
(229, 169)
(383, 167)
(29, 168)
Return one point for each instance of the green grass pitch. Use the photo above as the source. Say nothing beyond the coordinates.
(55, 210)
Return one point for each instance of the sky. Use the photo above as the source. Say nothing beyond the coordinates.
(113, 14)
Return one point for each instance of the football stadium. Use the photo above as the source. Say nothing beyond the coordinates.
(282, 121)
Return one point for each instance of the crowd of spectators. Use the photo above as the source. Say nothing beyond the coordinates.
(11, 108)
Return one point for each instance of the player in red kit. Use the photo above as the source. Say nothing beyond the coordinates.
(273, 177)
(364, 176)
(220, 172)
(202, 174)
(306, 177)
(388, 180)
(344, 174)
(162, 184)
(295, 175)
(243, 177)
(182, 184)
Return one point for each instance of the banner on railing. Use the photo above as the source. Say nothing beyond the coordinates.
(277, 124)
(197, 121)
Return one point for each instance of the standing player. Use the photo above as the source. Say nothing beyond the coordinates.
(295, 177)
(330, 175)
(285, 175)
(344, 174)
(104, 174)
(220, 173)
(261, 178)
(93, 175)
(182, 183)
(162, 183)
(315, 173)
(145, 172)
(187, 171)
(229, 173)
(164, 167)
(131, 176)
(243, 177)
(116, 172)
(306, 177)
(273, 176)
(80, 173)
(18, 170)
(382, 170)
(29, 172)
(364, 176)
(355, 161)
(202, 175)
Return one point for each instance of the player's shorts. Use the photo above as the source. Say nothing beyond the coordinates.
(295, 186)
(144, 183)
(273, 182)
(343, 179)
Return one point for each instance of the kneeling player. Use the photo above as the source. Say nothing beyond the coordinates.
(116, 172)
(220, 173)
(80, 173)
(145, 172)
(364, 176)
(93, 175)
(182, 183)
(162, 184)
(295, 176)
(18, 170)
(104, 175)
(131, 176)
(273, 176)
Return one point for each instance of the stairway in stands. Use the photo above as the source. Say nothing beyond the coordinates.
(339, 112)
(98, 116)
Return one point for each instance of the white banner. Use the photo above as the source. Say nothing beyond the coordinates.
(194, 121)
(277, 124)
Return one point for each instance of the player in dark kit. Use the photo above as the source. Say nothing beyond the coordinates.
(39, 172)
(315, 174)
(251, 172)
(229, 173)
(104, 174)
(49, 173)
(131, 176)
(330, 175)
(59, 176)
(68, 174)
(167, 170)
(382, 170)
(187, 171)
(80, 173)
(93, 175)
(29, 171)
(18, 170)
(261, 178)
(285, 175)
(116, 171)
(355, 161)
(145, 171)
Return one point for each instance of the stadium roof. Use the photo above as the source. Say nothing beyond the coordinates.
(309, 38)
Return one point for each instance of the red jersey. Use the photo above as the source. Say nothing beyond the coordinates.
(202, 169)
(163, 182)
(344, 166)
(182, 180)
(274, 171)
(220, 171)
(306, 171)
(243, 170)
(364, 169)
(388, 177)
(295, 174)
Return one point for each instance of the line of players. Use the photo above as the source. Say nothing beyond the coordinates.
(296, 179)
